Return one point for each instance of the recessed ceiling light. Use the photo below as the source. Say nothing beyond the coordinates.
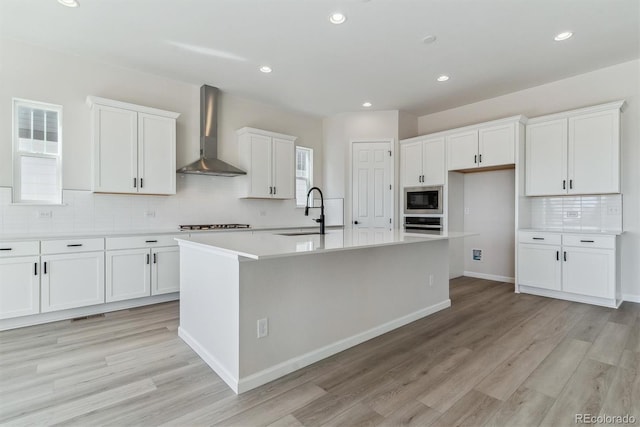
(69, 3)
(367, 104)
(429, 39)
(337, 18)
(563, 36)
(443, 78)
(266, 69)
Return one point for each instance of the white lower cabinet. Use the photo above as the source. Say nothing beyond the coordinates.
(72, 280)
(19, 286)
(578, 267)
(165, 270)
(136, 268)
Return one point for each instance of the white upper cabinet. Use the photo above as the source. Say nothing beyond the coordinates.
(462, 150)
(422, 162)
(268, 158)
(546, 158)
(488, 145)
(576, 152)
(134, 148)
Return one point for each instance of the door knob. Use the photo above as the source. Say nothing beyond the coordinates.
(355, 222)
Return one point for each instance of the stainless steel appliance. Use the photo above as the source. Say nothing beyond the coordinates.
(213, 226)
(423, 224)
(423, 200)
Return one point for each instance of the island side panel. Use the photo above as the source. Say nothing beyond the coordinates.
(320, 304)
(209, 309)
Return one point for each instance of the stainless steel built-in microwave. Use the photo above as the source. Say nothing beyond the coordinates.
(423, 200)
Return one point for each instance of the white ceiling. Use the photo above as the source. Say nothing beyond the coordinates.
(488, 47)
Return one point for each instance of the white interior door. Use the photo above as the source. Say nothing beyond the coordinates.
(371, 188)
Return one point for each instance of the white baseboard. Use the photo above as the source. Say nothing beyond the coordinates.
(262, 377)
(490, 277)
(227, 377)
(631, 298)
(605, 302)
(72, 313)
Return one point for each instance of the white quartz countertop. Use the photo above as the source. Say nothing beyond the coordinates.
(274, 245)
(555, 230)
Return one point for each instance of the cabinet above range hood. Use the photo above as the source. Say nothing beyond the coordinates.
(208, 163)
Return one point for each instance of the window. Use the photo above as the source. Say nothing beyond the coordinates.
(37, 152)
(304, 174)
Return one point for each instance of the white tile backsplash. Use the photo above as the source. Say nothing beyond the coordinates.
(577, 213)
(200, 200)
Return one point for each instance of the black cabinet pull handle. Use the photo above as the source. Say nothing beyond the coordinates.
(141, 182)
(45, 267)
(35, 268)
(480, 158)
(6, 249)
(356, 222)
(147, 258)
(557, 255)
(155, 258)
(475, 159)
(270, 190)
(564, 184)
(565, 256)
(74, 245)
(538, 238)
(587, 241)
(274, 190)
(151, 241)
(135, 182)
(571, 184)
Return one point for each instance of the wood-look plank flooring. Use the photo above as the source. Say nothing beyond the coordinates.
(495, 358)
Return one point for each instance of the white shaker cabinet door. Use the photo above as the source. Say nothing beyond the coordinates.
(496, 145)
(594, 153)
(165, 271)
(19, 286)
(462, 150)
(72, 280)
(433, 166)
(156, 154)
(546, 158)
(411, 167)
(260, 166)
(128, 274)
(283, 168)
(115, 150)
(540, 266)
(589, 272)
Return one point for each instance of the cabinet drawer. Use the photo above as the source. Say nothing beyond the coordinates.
(541, 238)
(11, 249)
(589, 241)
(72, 246)
(134, 242)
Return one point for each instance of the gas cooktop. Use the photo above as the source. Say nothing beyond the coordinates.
(213, 226)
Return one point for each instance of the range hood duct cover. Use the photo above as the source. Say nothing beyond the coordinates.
(208, 163)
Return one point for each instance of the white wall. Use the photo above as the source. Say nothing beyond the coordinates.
(489, 198)
(339, 131)
(38, 74)
(621, 81)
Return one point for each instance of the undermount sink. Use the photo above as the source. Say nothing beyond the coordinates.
(302, 233)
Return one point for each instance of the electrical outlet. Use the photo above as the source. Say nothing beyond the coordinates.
(150, 214)
(613, 210)
(263, 213)
(45, 214)
(263, 327)
(572, 214)
(466, 211)
(431, 280)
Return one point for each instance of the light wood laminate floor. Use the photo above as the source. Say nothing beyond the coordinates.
(494, 358)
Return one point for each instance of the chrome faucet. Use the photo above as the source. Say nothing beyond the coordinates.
(307, 207)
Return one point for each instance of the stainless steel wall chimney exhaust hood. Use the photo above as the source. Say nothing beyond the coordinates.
(208, 163)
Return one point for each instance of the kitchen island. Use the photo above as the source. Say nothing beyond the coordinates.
(307, 296)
